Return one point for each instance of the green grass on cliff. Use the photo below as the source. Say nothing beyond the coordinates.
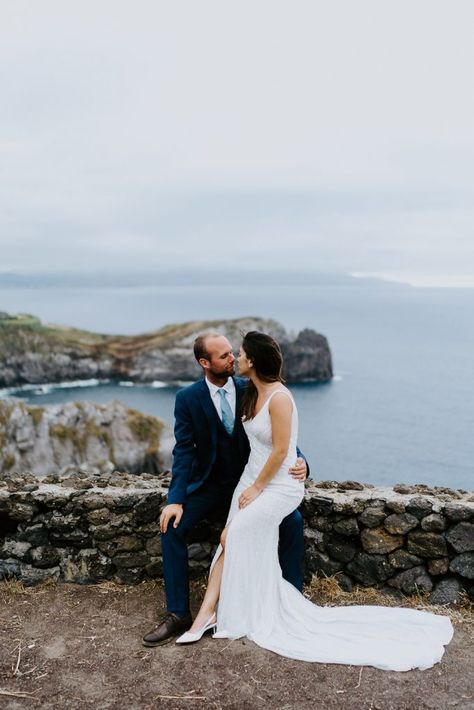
(8, 462)
(79, 436)
(24, 333)
(145, 428)
(36, 413)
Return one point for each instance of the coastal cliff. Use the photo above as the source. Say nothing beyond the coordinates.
(35, 353)
(94, 438)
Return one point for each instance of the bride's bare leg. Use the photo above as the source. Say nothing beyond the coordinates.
(211, 597)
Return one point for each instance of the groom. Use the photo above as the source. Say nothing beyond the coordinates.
(210, 454)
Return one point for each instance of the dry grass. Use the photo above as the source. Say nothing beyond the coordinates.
(11, 589)
(327, 591)
(321, 590)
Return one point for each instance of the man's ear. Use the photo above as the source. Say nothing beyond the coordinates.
(204, 363)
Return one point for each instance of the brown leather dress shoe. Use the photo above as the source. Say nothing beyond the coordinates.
(167, 629)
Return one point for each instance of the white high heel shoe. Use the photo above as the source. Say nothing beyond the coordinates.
(192, 637)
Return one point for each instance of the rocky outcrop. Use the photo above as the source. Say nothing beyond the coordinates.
(31, 352)
(83, 528)
(96, 437)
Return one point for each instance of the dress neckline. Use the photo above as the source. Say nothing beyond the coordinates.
(280, 389)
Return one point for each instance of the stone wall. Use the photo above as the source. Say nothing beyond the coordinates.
(82, 528)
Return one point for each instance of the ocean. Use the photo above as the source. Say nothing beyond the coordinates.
(401, 405)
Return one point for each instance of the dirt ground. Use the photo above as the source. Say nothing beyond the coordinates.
(71, 646)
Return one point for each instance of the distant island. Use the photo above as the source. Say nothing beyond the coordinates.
(32, 352)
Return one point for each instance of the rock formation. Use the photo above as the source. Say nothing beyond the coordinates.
(31, 352)
(95, 437)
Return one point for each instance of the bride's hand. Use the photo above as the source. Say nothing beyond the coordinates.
(247, 496)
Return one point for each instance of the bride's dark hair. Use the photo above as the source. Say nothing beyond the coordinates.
(267, 360)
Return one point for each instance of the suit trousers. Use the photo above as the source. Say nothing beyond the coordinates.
(210, 497)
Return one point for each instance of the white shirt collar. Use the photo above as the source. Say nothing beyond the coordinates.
(229, 387)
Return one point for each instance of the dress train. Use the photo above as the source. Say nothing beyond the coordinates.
(255, 601)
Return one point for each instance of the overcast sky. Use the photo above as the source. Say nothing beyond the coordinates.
(150, 134)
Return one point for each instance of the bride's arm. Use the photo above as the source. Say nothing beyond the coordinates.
(280, 410)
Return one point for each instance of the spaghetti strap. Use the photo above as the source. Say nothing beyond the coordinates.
(267, 401)
(284, 391)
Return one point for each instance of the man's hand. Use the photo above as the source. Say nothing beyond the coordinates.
(173, 510)
(299, 470)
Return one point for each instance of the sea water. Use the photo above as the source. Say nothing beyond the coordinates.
(401, 404)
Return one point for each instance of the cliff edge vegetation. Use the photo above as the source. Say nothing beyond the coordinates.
(32, 352)
(95, 437)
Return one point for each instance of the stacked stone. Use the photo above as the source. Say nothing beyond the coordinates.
(85, 528)
(80, 532)
(410, 544)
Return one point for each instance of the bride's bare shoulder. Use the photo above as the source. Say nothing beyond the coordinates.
(281, 399)
(282, 390)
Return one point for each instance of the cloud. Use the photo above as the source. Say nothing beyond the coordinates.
(161, 131)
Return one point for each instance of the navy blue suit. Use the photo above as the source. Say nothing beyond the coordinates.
(207, 464)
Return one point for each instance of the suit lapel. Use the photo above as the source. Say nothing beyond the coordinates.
(209, 410)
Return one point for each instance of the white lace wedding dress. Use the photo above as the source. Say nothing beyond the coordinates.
(255, 601)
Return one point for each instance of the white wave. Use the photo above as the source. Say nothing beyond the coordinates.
(337, 378)
(42, 389)
(156, 384)
(79, 383)
(24, 388)
(47, 387)
(35, 389)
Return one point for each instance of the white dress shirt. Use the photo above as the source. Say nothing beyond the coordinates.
(229, 387)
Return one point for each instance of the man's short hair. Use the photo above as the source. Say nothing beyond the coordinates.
(200, 349)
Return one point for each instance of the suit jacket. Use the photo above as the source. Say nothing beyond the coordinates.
(195, 432)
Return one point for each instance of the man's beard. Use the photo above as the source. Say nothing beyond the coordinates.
(223, 375)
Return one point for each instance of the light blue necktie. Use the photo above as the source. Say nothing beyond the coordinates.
(226, 411)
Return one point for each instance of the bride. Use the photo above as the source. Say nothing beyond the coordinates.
(246, 593)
